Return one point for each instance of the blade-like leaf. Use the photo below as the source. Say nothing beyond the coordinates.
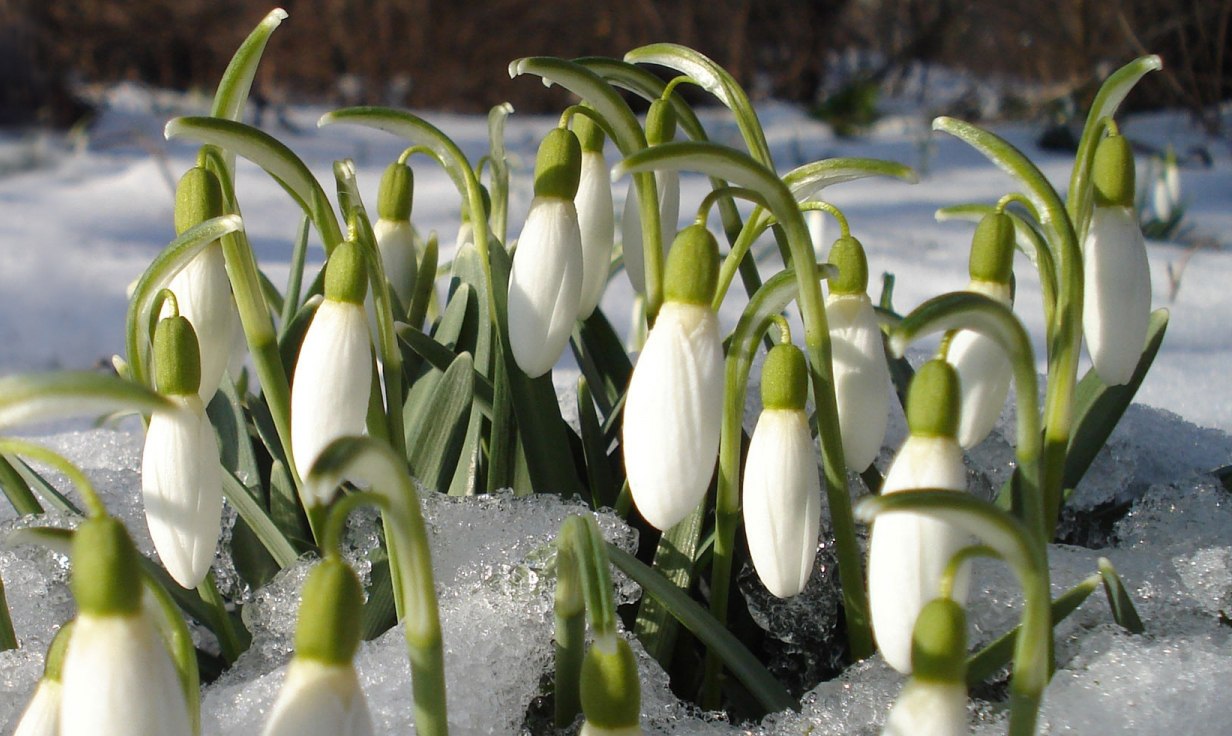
(258, 521)
(236, 81)
(809, 179)
(656, 627)
(435, 438)
(1122, 605)
(42, 397)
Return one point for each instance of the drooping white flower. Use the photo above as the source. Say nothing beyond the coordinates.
(782, 488)
(319, 699)
(333, 374)
(321, 693)
(181, 478)
(861, 374)
(117, 677)
(934, 700)
(596, 217)
(674, 402)
(660, 128)
(984, 370)
(1116, 275)
(202, 288)
(545, 283)
(42, 714)
(908, 552)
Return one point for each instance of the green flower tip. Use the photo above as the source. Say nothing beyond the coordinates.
(992, 249)
(1113, 172)
(558, 167)
(397, 191)
(784, 378)
(692, 271)
(847, 254)
(932, 400)
(346, 274)
(198, 197)
(939, 642)
(589, 134)
(610, 692)
(54, 663)
(177, 357)
(106, 577)
(327, 630)
(660, 123)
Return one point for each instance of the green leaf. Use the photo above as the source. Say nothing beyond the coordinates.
(270, 154)
(262, 526)
(717, 81)
(295, 277)
(1123, 611)
(809, 179)
(236, 81)
(39, 485)
(1098, 408)
(603, 488)
(17, 490)
(499, 182)
(380, 612)
(441, 358)
(43, 397)
(622, 126)
(435, 437)
(293, 332)
(656, 627)
(736, 657)
(234, 443)
(8, 637)
(602, 359)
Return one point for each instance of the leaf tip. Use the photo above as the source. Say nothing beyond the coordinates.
(517, 67)
(172, 129)
(275, 18)
(866, 508)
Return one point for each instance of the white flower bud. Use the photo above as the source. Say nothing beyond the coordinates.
(782, 500)
(203, 295)
(984, 373)
(673, 410)
(118, 680)
(333, 376)
(181, 486)
(597, 222)
(395, 240)
(319, 699)
(545, 284)
(1116, 293)
(861, 377)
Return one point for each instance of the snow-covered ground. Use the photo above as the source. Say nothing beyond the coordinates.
(82, 219)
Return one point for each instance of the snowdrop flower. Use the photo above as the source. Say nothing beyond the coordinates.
(610, 691)
(395, 238)
(545, 284)
(782, 490)
(983, 368)
(861, 374)
(908, 552)
(117, 677)
(660, 128)
(1166, 189)
(42, 714)
(674, 402)
(333, 374)
(596, 218)
(202, 288)
(1116, 276)
(321, 694)
(181, 478)
(934, 700)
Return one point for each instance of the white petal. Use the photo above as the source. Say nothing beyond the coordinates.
(861, 377)
(782, 501)
(668, 185)
(672, 413)
(545, 285)
(319, 700)
(42, 714)
(908, 552)
(984, 373)
(118, 680)
(181, 485)
(929, 709)
(396, 242)
(203, 295)
(329, 395)
(597, 222)
(1116, 293)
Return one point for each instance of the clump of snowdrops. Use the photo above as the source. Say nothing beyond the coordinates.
(363, 386)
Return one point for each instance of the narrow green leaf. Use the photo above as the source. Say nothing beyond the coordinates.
(272, 155)
(234, 443)
(380, 611)
(1098, 408)
(17, 490)
(1123, 611)
(425, 283)
(499, 182)
(435, 437)
(441, 358)
(736, 657)
(293, 332)
(623, 127)
(717, 81)
(291, 302)
(603, 488)
(8, 637)
(262, 526)
(809, 179)
(42, 397)
(602, 359)
(656, 626)
(236, 81)
(989, 660)
(44, 489)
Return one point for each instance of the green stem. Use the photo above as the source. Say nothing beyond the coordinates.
(570, 613)
(224, 628)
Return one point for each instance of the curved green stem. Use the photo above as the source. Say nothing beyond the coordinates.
(960, 558)
(93, 502)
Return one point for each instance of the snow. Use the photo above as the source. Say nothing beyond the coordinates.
(82, 219)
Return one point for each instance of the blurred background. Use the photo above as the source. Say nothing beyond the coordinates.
(832, 56)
